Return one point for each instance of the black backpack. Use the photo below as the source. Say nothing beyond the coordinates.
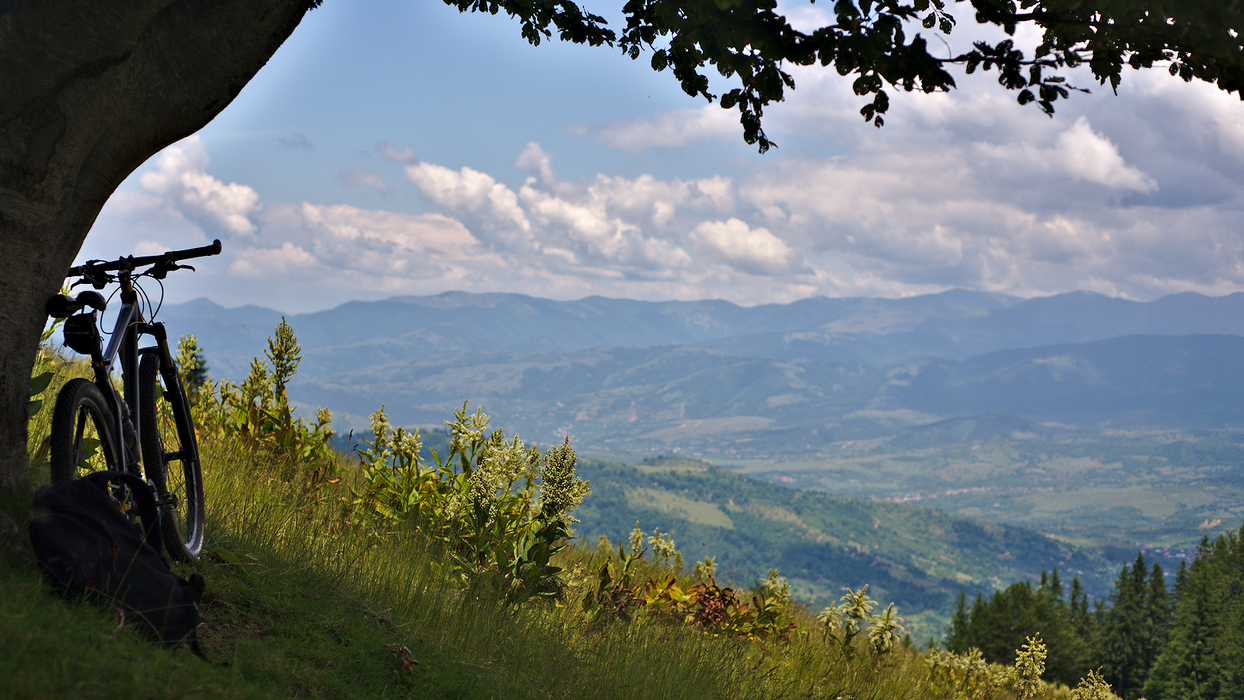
(90, 548)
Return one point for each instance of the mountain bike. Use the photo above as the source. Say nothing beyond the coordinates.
(149, 433)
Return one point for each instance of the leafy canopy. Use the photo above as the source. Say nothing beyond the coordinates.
(880, 43)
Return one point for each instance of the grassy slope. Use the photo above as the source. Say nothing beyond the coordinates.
(300, 606)
(306, 611)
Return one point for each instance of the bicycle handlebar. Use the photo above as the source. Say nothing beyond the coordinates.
(130, 262)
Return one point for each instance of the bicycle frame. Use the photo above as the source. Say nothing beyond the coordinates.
(121, 417)
(123, 344)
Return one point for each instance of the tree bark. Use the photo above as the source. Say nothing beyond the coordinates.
(89, 90)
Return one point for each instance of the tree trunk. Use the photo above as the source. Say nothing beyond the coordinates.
(89, 90)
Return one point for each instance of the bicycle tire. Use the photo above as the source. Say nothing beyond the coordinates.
(81, 407)
(176, 474)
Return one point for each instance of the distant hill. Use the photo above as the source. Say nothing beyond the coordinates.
(957, 324)
(651, 400)
(1117, 425)
(1185, 381)
(735, 380)
(917, 557)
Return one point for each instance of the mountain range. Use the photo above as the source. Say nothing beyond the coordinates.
(651, 375)
(1111, 424)
(957, 324)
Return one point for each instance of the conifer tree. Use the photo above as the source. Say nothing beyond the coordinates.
(959, 621)
(1158, 619)
(1000, 625)
(1181, 580)
(1124, 632)
(1082, 621)
(1194, 665)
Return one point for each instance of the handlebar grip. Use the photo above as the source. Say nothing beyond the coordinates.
(132, 262)
(213, 249)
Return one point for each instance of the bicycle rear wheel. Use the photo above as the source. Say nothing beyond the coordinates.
(83, 437)
(171, 457)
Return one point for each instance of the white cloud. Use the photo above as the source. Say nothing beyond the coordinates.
(181, 179)
(1078, 152)
(628, 225)
(364, 178)
(1136, 195)
(534, 159)
(490, 205)
(754, 251)
(349, 251)
(1087, 155)
(389, 152)
(267, 263)
(672, 129)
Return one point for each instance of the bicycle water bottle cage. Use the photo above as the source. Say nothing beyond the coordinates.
(81, 334)
(63, 305)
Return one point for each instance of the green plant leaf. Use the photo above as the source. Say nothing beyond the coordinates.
(40, 383)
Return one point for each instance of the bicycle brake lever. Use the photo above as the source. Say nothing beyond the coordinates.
(161, 269)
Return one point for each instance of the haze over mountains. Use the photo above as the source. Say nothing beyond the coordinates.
(1112, 424)
(955, 325)
(631, 376)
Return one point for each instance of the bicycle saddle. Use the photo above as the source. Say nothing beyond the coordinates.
(63, 305)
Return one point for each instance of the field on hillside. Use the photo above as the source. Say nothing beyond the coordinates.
(918, 557)
(1154, 490)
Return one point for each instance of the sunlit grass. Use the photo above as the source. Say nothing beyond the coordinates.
(301, 601)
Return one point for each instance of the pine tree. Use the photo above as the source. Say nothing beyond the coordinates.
(1000, 625)
(1124, 631)
(1202, 659)
(1082, 621)
(958, 631)
(1158, 609)
(1181, 580)
(1233, 617)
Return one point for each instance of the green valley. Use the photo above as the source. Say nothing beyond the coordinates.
(918, 557)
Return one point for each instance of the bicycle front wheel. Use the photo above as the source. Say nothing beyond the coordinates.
(83, 438)
(171, 457)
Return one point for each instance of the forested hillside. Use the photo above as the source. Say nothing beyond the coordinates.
(918, 557)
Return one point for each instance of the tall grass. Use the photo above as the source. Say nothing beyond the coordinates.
(284, 515)
(541, 649)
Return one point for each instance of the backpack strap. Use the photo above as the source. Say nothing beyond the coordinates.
(143, 499)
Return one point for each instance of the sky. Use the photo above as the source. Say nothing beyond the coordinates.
(398, 147)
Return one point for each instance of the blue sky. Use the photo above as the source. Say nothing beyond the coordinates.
(400, 147)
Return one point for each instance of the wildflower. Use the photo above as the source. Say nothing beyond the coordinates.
(1093, 687)
(1029, 665)
(662, 545)
(704, 570)
(561, 491)
(380, 427)
(776, 587)
(602, 543)
(467, 432)
(887, 631)
(637, 538)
